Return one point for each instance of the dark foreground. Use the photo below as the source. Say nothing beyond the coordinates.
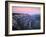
(25, 21)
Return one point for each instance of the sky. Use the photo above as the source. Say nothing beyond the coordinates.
(27, 10)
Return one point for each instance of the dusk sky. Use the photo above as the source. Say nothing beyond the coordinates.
(27, 10)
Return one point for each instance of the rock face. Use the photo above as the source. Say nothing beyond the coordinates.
(25, 21)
